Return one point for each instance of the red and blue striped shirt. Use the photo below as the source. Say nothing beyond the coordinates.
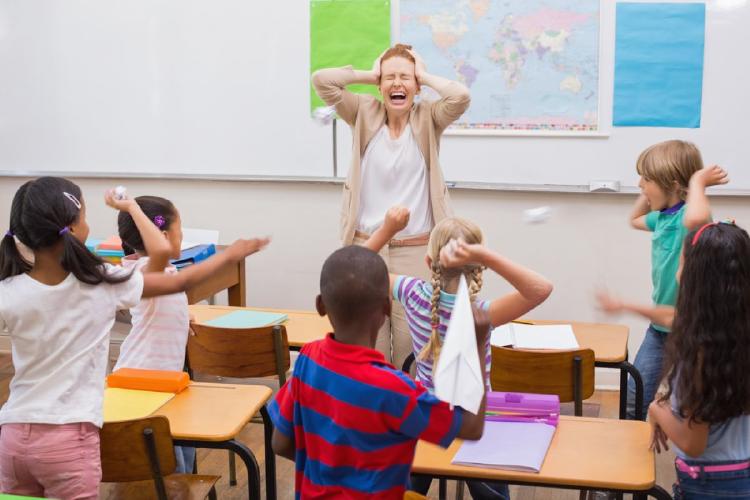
(355, 421)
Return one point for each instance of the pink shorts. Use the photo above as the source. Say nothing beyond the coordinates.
(44, 460)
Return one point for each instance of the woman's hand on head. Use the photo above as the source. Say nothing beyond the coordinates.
(458, 253)
(242, 248)
(123, 205)
(420, 69)
(376, 67)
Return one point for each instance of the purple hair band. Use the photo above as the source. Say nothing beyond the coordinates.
(160, 221)
(63, 230)
(9, 233)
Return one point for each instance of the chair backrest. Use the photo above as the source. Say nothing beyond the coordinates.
(544, 372)
(239, 352)
(136, 450)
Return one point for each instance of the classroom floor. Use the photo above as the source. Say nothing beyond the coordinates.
(603, 403)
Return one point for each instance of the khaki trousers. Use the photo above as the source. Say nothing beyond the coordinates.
(394, 339)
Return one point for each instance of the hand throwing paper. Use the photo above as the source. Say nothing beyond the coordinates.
(458, 377)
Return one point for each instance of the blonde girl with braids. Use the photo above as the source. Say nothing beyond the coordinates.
(455, 248)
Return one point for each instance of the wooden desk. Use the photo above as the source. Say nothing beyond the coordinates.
(209, 415)
(610, 345)
(229, 278)
(302, 327)
(609, 342)
(586, 453)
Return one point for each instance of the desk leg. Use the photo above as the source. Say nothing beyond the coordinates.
(253, 470)
(626, 368)
(442, 489)
(237, 293)
(639, 415)
(623, 394)
(270, 456)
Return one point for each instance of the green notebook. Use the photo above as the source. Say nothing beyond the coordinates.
(247, 319)
(4, 496)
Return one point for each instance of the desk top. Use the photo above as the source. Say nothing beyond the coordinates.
(585, 452)
(302, 327)
(609, 342)
(213, 412)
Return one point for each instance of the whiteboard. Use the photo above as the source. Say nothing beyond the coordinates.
(158, 88)
(220, 89)
(571, 163)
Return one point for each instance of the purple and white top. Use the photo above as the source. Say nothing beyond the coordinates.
(416, 297)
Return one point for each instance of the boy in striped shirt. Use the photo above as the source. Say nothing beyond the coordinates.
(348, 419)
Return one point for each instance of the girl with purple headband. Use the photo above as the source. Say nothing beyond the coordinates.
(158, 337)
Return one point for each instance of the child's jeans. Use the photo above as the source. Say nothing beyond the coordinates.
(648, 362)
(712, 485)
(44, 460)
(185, 457)
(480, 490)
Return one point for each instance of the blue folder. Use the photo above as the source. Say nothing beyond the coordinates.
(194, 255)
(247, 319)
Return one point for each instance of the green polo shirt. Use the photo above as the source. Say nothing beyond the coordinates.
(666, 245)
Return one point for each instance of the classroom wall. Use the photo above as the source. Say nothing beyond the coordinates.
(586, 243)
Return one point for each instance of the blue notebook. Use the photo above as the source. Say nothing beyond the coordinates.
(247, 319)
(194, 255)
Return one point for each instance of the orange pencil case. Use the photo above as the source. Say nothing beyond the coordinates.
(149, 380)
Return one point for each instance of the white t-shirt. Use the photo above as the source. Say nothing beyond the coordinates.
(159, 333)
(394, 173)
(60, 343)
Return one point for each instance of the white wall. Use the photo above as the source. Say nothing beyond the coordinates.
(587, 242)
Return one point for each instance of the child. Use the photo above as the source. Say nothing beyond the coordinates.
(706, 409)
(59, 311)
(672, 202)
(349, 419)
(455, 248)
(158, 337)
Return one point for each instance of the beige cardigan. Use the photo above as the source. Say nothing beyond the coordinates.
(366, 114)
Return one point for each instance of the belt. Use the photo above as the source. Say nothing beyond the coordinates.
(695, 470)
(411, 241)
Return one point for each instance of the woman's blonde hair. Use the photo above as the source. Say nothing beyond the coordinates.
(446, 230)
(670, 162)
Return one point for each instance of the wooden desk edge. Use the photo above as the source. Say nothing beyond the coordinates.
(267, 394)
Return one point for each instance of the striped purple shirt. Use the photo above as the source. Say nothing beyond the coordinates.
(416, 297)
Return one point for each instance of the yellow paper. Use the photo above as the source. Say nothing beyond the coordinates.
(128, 404)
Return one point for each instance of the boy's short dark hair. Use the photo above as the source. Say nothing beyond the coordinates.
(353, 283)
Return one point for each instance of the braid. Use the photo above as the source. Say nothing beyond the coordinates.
(432, 348)
(475, 282)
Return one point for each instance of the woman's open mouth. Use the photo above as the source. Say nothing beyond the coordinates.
(398, 97)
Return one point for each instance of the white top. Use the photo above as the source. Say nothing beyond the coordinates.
(394, 173)
(60, 343)
(158, 337)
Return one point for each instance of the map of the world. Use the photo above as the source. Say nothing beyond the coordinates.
(530, 64)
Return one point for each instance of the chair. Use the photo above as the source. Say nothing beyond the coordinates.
(241, 353)
(139, 456)
(569, 374)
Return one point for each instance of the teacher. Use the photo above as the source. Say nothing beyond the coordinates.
(394, 162)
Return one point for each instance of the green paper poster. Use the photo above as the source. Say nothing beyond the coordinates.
(344, 32)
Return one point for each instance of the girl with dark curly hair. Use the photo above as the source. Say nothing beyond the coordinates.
(706, 409)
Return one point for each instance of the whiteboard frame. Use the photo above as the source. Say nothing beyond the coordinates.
(604, 128)
(339, 181)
